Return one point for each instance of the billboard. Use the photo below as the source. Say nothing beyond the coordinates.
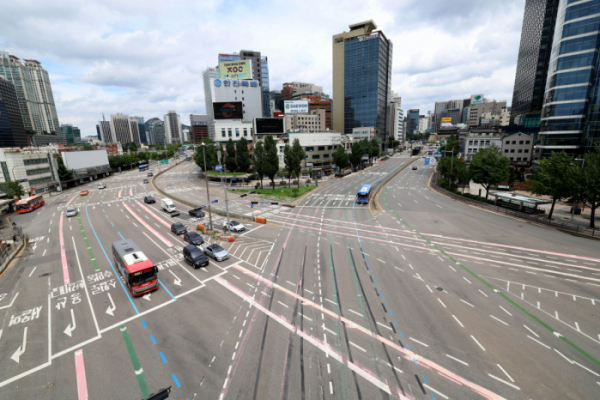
(236, 69)
(85, 159)
(296, 106)
(447, 119)
(277, 114)
(269, 125)
(477, 99)
(228, 110)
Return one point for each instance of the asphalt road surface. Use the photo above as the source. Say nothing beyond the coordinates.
(423, 298)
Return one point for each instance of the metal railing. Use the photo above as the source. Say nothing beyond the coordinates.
(8, 250)
(563, 226)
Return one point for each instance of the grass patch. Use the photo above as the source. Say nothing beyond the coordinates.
(215, 173)
(292, 192)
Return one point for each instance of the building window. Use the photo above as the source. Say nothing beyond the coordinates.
(37, 171)
(321, 148)
(470, 143)
(326, 156)
(520, 151)
(507, 142)
(329, 147)
(527, 142)
(514, 142)
(222, 132)
(229, 132)
(512, 150)
(309, 148)
(526, 151)
(35, 161)
(245, 132)
(511, 159)
(518, 158)
(316, 156)
(237, 132)
(520, 142)
(506, 150)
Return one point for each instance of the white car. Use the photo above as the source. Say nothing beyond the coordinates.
(101, 186)
(235, 226)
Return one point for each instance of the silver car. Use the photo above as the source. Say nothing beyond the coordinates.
(217, 252)
(235, 226)
(72, 212)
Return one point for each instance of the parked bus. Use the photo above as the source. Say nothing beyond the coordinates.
(30, 203)
(143, 167)
(364, 194)
(137, 270)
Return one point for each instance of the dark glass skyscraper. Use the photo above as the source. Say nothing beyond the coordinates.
(571, 112)
(12, 129)
(534, 54)
(412, 122)
(362, 77)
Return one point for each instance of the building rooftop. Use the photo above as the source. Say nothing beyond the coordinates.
(369, 26)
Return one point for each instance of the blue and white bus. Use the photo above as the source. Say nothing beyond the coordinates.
(143, 167)
(364, 194)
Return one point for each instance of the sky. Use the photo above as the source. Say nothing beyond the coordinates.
(145, 57)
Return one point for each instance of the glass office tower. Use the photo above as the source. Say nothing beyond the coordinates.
(412, 122)
(534, 54)
(571, 115)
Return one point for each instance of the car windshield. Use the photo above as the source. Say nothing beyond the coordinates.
(196, 254)
(234, 223)
(179, 226)
(140, 279)
(149, 198)
(69, 210)
(217, 249)
(193, 235)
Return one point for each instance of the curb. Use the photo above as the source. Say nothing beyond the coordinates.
(16, 254)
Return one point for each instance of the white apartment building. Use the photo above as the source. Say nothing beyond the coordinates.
(311, 122)
(397, 120)
(232, 129)
(478, 139)
(476, 110)
(173, 133)
(423, 124)
(122, 129)
(318, 148)
(35, 167)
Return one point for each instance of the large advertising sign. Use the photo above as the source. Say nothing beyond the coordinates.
(446, 119)
(228, 110)
(477, 99)
(236, 69)
(295, 106)
(269, 125)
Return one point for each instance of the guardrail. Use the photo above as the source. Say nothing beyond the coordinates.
(8, 251)
(563, 226)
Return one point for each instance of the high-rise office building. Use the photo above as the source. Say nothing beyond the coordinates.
(534, 53)
(412, 122)
(208, 76)
(570, 118)
(173, 132)
(199, 127)
(71, 133)
(98, 134)
(106, 133)
(362, 78)
(159, 132)
(12, 130)
(34, 92)
(123, 129)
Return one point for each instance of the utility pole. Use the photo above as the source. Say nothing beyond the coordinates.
(224, 186)
(210, 224)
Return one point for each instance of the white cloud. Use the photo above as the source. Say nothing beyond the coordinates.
(147, 57)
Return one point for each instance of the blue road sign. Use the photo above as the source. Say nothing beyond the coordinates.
(438, 155)
(215, 201)
(427, 159)
(252, 205)
(219, 168)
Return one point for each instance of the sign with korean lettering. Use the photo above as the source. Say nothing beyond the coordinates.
(241, 69)
(296, 106)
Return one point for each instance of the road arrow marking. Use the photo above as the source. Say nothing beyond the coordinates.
(70, 328)
(496, 290)
(35, 245)
(177, 280)
(558, 335)
(147, 297)
(112, 307)
(21, 348)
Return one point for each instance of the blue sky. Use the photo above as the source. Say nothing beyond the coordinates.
(146, 57)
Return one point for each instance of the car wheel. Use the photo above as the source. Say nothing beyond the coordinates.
(195, 267)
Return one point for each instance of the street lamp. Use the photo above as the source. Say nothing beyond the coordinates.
(207, 192)
(573, 208)
(224, 185)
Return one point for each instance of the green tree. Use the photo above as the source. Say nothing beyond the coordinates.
(15, 189)
(300, 154)
(586, 180)
(260, 161)
(447, 166)
(489, 167)
(340, 157)
(242, 155)
(553, 179)
(451, 144)
(356, 154)
(64, 174)
(211, 154)
(272, 159)
(374, 148)
(230, 162)
(289, 158)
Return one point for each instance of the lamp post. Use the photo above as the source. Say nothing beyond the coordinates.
(207, 192)
(224, 186)
(573, 208)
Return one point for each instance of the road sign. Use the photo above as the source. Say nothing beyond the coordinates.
(215, 201)
(438, 155)
(427, 160)
(164, 161)
(219, 167)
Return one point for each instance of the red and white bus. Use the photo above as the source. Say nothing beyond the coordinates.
(30, 203)
(137, 270)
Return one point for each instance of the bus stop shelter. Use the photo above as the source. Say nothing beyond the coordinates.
(519, 202)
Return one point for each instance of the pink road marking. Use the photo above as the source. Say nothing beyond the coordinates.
(80, 372)
(151, 229)
(409, 355)
(120, 191)
(130, 192)
(69, 202)
(154, 215)
(325, 347)
(63, 255)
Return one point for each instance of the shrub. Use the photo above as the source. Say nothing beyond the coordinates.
(294, 182)
(282, 182)
(295, 192)
(257, 185)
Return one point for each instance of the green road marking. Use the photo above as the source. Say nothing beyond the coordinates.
(137, 367)
(87, 244)
(486, 283)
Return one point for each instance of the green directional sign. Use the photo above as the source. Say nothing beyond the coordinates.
(164, 161)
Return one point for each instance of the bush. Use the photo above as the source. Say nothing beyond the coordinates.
(295, 192)
(475, 197)
(282, 182)
(257, 185)
(294, 182)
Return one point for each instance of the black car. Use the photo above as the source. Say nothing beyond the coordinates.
(414, 167)
(196, 212)
(146, 181)
(178, 228)
(194, 256)
(193, 238)
(149, 200)
(150, 174)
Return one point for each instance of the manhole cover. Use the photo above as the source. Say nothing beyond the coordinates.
(46, 274)
(440, 289)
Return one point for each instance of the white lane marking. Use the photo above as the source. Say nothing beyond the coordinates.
(503, 309)
(503, 381)
(466, 280)
(535, 340)
(283, 304)
(415, 340)
(506, 373)
(483, 293)
(385, 326)
(442, 303)
(473, 337)
(460, 323)
(352, 311)
(31, 273)
(456, 359)
(467, 303)
(332, 302)
(435, 391)
(357, 346)
(499, 320)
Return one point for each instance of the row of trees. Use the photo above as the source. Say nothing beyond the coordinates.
(576, 181)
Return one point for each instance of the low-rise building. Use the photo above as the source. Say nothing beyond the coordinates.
(199, 127)
(35, 168)
(41, 140)
(363, 133)
(233, 129)
(318, 149)
(477, 139)
(518, 147)
(314, 121)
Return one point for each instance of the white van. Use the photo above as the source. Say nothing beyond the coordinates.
(167, 205)
(101, 186)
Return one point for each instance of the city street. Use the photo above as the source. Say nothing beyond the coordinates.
(421, 298)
